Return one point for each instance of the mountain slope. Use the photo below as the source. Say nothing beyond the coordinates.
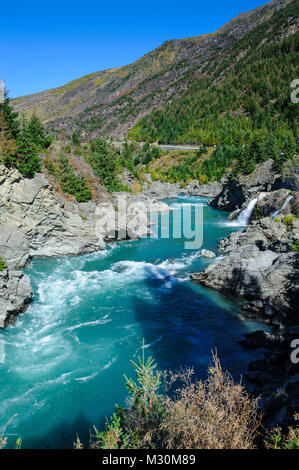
(239, 97)
(111, 101)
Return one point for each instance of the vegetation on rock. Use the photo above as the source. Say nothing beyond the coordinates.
(276, 439)
(3, 264)
(21, 143)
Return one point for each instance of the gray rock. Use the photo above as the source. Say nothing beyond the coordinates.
(237, 191)
(259, 267)
(15, 294)
(164, 190)
(35, 221)
(208, 253)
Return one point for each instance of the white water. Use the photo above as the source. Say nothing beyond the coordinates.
(244, 216)
(282, 207)
(65, 358)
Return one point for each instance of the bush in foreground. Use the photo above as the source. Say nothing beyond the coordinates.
(174, 411)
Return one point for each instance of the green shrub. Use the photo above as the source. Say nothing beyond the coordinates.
(289, 220)
(71, 182)
(3, 264)
(21, 144)
(276, 439)
(174, 411)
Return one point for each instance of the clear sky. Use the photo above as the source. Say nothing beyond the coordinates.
(47, 44)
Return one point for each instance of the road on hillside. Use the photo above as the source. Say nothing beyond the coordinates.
(170, 147)
(178, 147)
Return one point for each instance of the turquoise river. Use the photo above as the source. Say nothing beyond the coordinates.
(66, 356)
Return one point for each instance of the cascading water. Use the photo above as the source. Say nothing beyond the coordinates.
(244, 216)
(282, 207)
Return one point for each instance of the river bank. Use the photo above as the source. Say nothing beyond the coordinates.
(260, 264)
(38, 222)
(66, 356)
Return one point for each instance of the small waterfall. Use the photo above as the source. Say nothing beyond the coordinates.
(244, 216)
(282, 207)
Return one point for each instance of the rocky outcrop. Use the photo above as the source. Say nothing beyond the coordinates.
(259, 266)
(274, 377)
(265, 184)
(36, 221)
(15, 295)
(273, 203)
(237, 191)
(164, 190)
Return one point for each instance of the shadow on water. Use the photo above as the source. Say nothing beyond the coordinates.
(183, 324)
(63, 436)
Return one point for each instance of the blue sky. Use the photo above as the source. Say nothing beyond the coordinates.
(47, 44)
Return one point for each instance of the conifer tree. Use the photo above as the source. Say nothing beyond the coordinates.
(10, 117)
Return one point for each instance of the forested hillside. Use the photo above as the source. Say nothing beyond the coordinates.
(240, 98)
(110, 102)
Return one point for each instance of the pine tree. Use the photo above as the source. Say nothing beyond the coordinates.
(28, 162)
(8, 146)
(37, 134)
(76, 139)
(11, 118)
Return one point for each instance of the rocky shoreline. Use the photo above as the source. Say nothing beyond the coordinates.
(258, 263)
(37, 221)
(261, 265)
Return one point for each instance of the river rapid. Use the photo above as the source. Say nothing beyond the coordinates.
(66, 356)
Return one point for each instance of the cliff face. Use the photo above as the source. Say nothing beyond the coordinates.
(36, 221)
(111, 101)
(15, 295)
(260, 264)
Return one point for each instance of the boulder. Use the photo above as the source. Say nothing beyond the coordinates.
(36, 221)
(208, 253)
(15, 295)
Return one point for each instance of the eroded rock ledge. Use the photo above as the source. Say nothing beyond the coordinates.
(37, 221)
(15, 295)
(259, 266)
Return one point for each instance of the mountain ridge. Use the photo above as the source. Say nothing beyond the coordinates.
(110, 102)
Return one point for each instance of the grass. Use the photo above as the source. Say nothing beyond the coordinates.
(173, 411)
(3, 264)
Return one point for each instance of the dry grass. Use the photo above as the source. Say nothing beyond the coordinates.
(215, 414)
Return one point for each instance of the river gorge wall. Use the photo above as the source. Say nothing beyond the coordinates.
(260, 264)
(37, 221)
